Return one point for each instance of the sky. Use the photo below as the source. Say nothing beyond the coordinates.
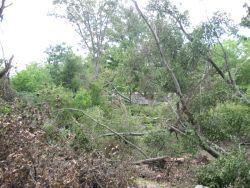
(27, 31)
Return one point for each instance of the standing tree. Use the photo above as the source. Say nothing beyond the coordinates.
(65, 66)
(91, 19)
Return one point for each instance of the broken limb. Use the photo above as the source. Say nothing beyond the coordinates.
(106, 127)
(123, 134)
(158, 160)
(203, 143)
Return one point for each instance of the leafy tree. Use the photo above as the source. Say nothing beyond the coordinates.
(245, 21)
(71, 71)
(32, 78)
(65, 67)
(237, 59)
(91, 19)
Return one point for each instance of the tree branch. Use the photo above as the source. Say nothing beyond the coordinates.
(164, 61)
(123, 134)
(106, 127)
(158, 160)
(123, 96)
(233, 83)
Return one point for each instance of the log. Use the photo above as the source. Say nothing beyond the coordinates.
(158, 160)
(122, 134)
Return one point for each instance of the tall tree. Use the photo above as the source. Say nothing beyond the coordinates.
(91, 19)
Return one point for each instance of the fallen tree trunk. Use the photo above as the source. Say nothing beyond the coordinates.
(123, 134)
(159, 160)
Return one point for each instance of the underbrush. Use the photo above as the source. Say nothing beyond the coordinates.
(28, 160)
(33, 155)
(231, 170)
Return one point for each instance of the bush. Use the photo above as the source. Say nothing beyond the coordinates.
(224, 171)
(31, 79)
(229, 121)
(82, 99)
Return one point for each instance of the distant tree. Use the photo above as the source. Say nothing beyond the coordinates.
(65, 67)
(245, 21)
(91, 19)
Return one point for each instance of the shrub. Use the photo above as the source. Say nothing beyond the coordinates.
(224, 171)
(82, 99)
(229, 121)
(32, 78)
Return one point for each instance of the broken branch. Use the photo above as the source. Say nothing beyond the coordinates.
(123, 134)
(158, 160)
(106, 127)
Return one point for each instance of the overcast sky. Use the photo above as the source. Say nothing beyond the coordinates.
(27, 31)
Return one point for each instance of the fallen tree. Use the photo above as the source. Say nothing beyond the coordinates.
(123, 134)
(159, 160)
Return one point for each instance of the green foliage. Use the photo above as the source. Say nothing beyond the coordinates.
(65, 67)
(70, 74)
(235, 56)
(230, 121)
(245, 21)
(227, 170)
(32, 78)
(219, 94)
(4, 108)
(50, 132)
(82, 99)
(95, 93)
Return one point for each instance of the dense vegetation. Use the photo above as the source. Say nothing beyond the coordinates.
(74, 121)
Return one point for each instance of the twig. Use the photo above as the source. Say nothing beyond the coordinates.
(126, 98)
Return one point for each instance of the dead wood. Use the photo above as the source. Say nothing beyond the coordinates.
(159, 160)
(123, 134)
(7, 67)
(2, 8)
